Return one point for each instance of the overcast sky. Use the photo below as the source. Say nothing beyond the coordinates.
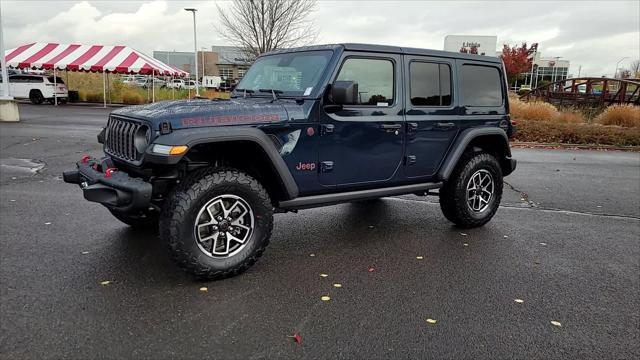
(594, 35)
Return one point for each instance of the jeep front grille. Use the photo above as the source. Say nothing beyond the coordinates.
(120, 138)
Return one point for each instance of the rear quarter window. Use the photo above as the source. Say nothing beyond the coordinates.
(481, 86)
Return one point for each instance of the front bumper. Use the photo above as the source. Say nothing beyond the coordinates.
(102, 183)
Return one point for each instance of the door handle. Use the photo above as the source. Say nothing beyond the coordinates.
(390, 126)
(445, 125)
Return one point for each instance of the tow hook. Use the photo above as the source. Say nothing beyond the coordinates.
(109, 171)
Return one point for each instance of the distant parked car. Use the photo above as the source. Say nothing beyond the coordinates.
(38, 88)
(524, 89)
(175, 84)
(132, 80)
(190, 84)
(147, 82)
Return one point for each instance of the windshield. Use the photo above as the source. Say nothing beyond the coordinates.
(294, 73)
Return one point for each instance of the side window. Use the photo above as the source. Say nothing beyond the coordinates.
(430, 84)
(374, 78)
(481, 86)
(16, 79)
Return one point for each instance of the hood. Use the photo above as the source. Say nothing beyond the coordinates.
(205, 113)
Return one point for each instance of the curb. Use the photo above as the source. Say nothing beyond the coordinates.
(532, 145)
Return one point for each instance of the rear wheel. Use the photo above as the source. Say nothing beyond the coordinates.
(472, 194)
(217, 223)
(35, 96)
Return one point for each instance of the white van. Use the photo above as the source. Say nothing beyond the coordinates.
(38, 88)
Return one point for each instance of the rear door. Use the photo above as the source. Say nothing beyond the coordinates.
(363, 143)
(431, 113)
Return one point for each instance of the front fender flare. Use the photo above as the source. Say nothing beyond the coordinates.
(196, 136)
(462, 142)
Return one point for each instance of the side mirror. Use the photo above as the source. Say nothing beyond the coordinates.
(344, 93)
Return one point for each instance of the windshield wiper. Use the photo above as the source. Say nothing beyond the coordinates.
(273, 92)
(245, 92)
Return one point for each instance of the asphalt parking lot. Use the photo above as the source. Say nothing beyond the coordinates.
(566, 242)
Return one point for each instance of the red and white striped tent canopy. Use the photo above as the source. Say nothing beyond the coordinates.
(95, 58)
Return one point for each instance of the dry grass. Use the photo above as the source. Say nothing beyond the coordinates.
(89, 87)
(573, 133)
(567, 117)
(542, 122)
(540, 111)
(620, 115)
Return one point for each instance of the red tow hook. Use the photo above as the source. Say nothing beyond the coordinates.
(85, 159)
(109, 171)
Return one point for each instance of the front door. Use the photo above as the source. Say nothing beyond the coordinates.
(363, 143)
(432, 114)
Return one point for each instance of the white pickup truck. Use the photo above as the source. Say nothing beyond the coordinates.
(38, 88)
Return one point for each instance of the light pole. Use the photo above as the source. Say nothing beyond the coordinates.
(618, 63)
(533, 62)
(195, 47)
(3, 63)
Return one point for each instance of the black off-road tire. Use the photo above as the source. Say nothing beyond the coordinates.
(148, 221)
(180, 213)
(36, 97)
(453, 195)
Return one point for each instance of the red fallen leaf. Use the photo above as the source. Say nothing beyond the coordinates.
(296, 337)
(371, 269)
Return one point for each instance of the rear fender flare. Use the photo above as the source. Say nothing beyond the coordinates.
(462, 142)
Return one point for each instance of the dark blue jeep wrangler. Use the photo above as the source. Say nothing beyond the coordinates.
(305, 127)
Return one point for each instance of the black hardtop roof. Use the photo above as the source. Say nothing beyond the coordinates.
(390, 50)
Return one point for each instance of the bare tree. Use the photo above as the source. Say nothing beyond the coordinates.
(634, 68)
(259, 26)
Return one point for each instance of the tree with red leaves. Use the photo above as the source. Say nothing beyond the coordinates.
(517, 59)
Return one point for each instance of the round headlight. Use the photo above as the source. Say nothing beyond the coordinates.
(141, 138)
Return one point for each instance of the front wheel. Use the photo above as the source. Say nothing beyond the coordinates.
(217, 223)
(472, 194)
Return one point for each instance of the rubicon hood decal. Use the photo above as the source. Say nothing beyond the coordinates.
(229, 119)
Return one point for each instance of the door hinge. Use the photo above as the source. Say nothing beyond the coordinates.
(326, 166)
(411, 159)
(412, 127)
(326, 129)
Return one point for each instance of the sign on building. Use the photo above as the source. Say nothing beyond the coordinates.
(480, 44)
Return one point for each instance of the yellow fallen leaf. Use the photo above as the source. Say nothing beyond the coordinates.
(323, 275)
(432, 321)
(555, 323)
(419, 257)
(519, 301)
(325, 298)
(312, 255)
(105, 283)
(337, 285)
(204, 289)
(465, 244)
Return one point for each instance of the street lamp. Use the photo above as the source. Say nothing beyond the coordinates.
(3, 64)
(195, 47)
(618, 63)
